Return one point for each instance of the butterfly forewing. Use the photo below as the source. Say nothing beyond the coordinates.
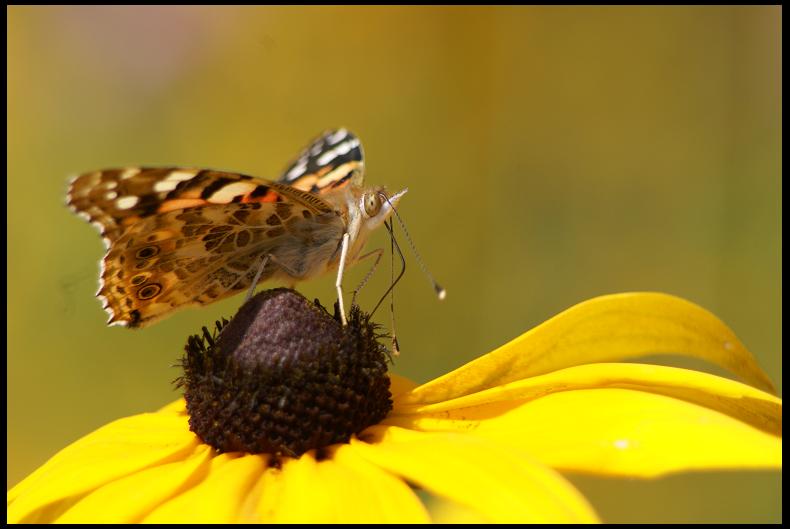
(114, 199)
(331, 161)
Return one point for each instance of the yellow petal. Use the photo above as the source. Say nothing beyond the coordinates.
(343, 488)
(116, 450)
(130, 499)
(179, 406)
(602, 329)
(616, 432)
(386, 498)
(300, 494)
(753, 406)
(501, 484)
(400, 385)
(219, 497)
(447, 512)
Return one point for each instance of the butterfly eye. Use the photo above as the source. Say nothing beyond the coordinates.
(372, 204)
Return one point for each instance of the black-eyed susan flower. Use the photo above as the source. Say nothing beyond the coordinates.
(493, 436)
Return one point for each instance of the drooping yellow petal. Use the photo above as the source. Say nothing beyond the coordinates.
(131, 498)
(753, 406)
(219, 497)
(116, 450)
(343, 488)
(603, 329)
(616, 432)
(504, 485)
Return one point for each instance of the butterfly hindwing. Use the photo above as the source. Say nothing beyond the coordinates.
(199, 255)
(329, 162)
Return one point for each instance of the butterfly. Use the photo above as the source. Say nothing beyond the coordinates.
(179, 237)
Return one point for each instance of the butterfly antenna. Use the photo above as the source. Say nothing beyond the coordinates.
(441, 293)
(395, 346)
(394, 242)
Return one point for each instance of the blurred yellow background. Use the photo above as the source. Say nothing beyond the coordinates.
(552, 155)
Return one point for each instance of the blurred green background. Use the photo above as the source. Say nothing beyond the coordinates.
(552, 155)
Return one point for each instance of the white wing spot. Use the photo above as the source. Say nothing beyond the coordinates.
(226, 194)
(341, 149)
(337, 136)
(110, 184)
(128, 173)
(126, 202)
(166, 185)
(110, 195)
(297, 171)
(180, 176)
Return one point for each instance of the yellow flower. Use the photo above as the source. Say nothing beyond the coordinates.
(492, 436)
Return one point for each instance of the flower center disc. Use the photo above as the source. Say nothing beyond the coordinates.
(284, 376)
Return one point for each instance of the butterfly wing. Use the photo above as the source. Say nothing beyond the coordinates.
(114, 199)
(181, 237)
(199, 255)
(331, 161)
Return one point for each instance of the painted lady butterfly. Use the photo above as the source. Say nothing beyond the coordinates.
(179, 237)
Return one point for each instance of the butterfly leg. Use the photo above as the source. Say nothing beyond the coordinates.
(378, 253)
(339, 281)
(264, 260)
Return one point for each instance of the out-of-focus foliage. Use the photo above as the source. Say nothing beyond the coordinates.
(552, 154)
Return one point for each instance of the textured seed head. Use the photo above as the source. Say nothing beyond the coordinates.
(284, 376)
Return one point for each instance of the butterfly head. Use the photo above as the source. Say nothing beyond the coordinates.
(376, 206)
